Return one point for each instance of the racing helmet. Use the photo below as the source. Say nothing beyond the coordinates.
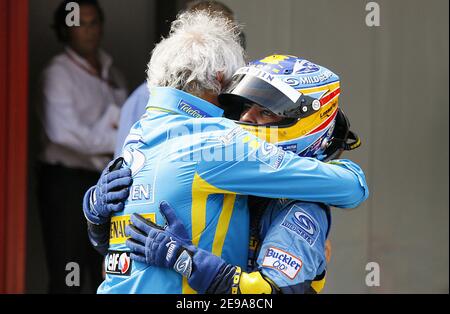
(304, 94)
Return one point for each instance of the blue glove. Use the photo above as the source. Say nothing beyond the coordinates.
(171, 247)
(110, 193)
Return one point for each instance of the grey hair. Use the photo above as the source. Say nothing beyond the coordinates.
(201, 45)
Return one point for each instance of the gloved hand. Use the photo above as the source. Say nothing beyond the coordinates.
(171, 247)
(154, 245)
(110, 193)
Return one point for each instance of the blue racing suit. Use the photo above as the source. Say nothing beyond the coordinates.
(130, 113)
(287, 250)
(183, 151)
(292, 253)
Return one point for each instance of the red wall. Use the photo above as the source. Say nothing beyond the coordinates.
(13, 143)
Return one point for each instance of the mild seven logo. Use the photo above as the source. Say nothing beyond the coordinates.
(192, 110)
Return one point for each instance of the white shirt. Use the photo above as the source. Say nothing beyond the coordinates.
(80, 111)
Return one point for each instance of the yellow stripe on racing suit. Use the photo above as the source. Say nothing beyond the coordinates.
(291, 258)
(205, 167)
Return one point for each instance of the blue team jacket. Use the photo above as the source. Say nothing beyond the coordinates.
(184, 152)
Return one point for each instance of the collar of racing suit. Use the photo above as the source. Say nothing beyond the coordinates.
(178, 102)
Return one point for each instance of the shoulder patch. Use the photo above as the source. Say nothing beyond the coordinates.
(302, 224)
(227, 138)
(192, 110)
(287, 264)
(271, 155)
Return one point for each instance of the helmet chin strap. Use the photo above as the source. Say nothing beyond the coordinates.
(350, 142)
(354, 143)
(344, 139)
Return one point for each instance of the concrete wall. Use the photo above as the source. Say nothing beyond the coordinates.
(395, 91)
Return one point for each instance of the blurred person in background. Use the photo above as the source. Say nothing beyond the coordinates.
(79, 111)
(135, 105)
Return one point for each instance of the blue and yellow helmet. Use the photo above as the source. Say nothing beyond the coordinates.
(305, 94)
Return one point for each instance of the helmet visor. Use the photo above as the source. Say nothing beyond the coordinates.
(267, 91)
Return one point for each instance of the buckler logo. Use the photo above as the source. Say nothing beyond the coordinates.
(191, 110)
(282, 261)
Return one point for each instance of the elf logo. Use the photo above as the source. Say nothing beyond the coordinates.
(118, 263)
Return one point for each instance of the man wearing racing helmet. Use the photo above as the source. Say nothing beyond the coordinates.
(291, 258)
(301, 122)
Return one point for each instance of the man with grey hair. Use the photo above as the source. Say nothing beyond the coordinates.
(134, 107)
(184, 152)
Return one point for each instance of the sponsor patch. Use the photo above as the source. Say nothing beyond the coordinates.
(289, 147)
(141, 192)
(118, 225)
(327, 113)
(271, 155)
(118, 263)
(183, 265)
(278, 160)
(227, 139)
(315, 79)
(302, 225)
(192, 110)
(288, 264)
(171, 246)
(268, 150)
